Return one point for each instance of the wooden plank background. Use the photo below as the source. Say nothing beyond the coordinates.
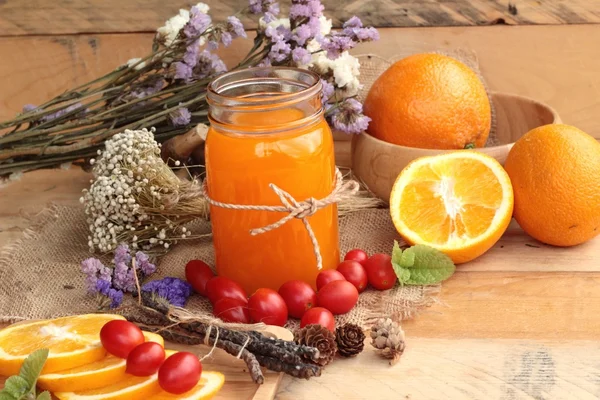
(514, 59)
(35, 17)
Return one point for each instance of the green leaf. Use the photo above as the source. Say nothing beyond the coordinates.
(16, 386)
(421, 265)
(32, 366)
(4, 395)
(44, 396)
(396, 253)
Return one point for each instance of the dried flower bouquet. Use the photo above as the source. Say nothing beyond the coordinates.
(167, 88)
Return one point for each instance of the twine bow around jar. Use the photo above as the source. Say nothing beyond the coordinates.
(295, 209)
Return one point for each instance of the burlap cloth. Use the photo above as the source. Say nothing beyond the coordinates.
(40, 274)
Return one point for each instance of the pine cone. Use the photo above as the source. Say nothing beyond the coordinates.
(350, 340)
(320, 337)
(388, 338)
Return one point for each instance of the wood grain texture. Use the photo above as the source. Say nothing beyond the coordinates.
(44, 17)
(520, 60)
(432, 369)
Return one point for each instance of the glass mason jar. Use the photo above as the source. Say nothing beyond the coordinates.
(267, 126)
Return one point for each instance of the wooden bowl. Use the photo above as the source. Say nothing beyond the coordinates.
(377, 163)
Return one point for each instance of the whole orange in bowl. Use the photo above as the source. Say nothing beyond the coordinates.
(555, 172)
(429, 101)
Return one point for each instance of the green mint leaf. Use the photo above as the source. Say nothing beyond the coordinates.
(408, 259)
(396, 253)
(32, 366)
(4, 395)
(402, 273)
(16, 386)
(44, 396)
(430, 266)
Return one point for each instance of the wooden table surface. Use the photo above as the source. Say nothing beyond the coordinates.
(522, 325)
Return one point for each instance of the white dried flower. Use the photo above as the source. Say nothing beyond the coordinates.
(135, 61)
(168, 33)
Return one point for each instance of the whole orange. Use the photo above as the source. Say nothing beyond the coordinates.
(429, 101)
(555, 173)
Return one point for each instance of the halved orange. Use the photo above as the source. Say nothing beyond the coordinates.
(128, 388)
(209, 385)
(459, 202)
(73, 341)
(90, 376)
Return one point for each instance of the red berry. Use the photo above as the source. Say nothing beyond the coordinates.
(354, 273)
(327, 276)
(356, 255)
(299, 297)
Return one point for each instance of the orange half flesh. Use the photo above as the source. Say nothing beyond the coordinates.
(460, 203)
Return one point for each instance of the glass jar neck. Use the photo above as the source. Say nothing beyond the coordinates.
(265, 100)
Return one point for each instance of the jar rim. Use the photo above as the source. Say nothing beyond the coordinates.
(308, 82)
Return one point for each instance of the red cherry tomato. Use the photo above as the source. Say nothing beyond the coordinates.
(320, 316)
(198, 273)
(298, 297)
(266, 305)
(119, 337)
(220, 287)
(145, 359)
(339, 297)
(356, 255)
(232, 310)
(354, 273)
(179, 372)
(380, 272)
(327, 276)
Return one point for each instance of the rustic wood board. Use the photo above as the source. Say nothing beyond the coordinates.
(238, 384)
(521, 60)
(462, 369)
(43, 17)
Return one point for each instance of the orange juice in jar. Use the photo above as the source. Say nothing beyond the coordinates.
(268, 128)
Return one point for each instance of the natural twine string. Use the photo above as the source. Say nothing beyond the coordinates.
(295, 209)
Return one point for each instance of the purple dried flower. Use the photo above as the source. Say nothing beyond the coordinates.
(116, 296)
(353, 28)
(122, 255)
(301, 56)
(266, 62)
(235, 27)
(29, 107)
(279, 51)
(142, 262)
(122, 279)
(183, 71)
(303, 34)
(328, 90)
(305, 9)
(180, 117)
(95, 271)
(226, 39)
(175, 290)
(197, 24)
(348, 117)
(264, 6)
(335, 45)
(208, 64)
(62, 112)
(192, 52)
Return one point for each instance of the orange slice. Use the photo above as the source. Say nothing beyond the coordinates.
(460, 203)
(90, 376)
(72, 341)
(209, 385)
(128, 388)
